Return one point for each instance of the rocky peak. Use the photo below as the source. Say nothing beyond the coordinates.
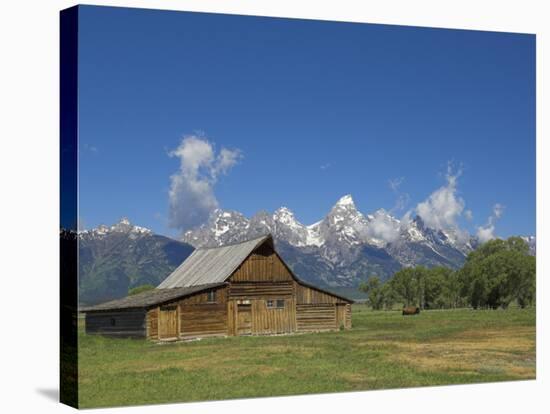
(286, 227)
(222, 227)
(346, 200)
(343, 218)
(124, 226)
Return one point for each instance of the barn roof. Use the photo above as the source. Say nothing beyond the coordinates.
(212, 265)
(150, 298)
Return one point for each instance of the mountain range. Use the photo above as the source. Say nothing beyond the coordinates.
(338, 252)
(113, 259)
(346, 246)
(343, 248)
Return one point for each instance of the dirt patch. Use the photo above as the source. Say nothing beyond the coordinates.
(488, 352)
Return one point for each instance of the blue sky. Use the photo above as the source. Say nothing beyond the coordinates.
(313, 110)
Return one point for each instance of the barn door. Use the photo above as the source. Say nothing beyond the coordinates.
(340, 315)
(244, 319)
(168, 322)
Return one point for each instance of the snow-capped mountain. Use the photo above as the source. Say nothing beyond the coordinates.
(420, 244)
(223, 227)
(123, 226)
(113, 259)
(343, 225)
(344, 247)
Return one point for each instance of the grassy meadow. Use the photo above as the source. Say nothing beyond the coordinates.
(383, 350)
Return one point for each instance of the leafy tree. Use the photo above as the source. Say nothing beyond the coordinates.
(389, 296)
(140, 289)
(450, 290)
(373, 288)
(494, 275)
(526, 288)
(429, 285)
(497, 273)
(436, 288)
(405, 285)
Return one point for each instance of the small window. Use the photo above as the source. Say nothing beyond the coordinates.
(211, 296)
(113, 322)
(275, 304)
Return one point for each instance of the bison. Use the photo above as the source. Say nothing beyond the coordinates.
(411, 310)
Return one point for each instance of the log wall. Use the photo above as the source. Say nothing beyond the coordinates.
(348, 316)
(122, 323)
(316, 317)
(152, 324)
(203, 320)
(195, 317)
(200, 318)
(307, 295)
(261, 290)
(320, 311)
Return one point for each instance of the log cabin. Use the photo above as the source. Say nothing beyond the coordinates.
(239, 289)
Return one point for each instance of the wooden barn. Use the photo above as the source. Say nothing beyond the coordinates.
(240, 289)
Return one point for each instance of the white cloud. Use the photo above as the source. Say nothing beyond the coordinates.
(443, 207)
(191, 195)
(469, 215)
(487, 232)
(325, 166)
(226, 160)
(383, 227)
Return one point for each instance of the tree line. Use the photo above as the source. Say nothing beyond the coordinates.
(494, 275)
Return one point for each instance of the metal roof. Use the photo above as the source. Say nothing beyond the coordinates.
(149, 298)
(211, 265)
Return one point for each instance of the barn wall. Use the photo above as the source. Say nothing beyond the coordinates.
(203, 320)
(196, 317)
(272, 320)
(264, 320)
(127, 324)
(202, 298)
(343, 315)
(264, 276)
(199, 318)
(307, 295)
(348, 316)
(263, 265)
(152, 324)
(320, 311)
(261, 290)
(316, 317)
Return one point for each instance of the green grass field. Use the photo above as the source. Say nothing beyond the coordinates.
(383, 350)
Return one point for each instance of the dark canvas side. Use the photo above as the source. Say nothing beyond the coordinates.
(68, 206)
